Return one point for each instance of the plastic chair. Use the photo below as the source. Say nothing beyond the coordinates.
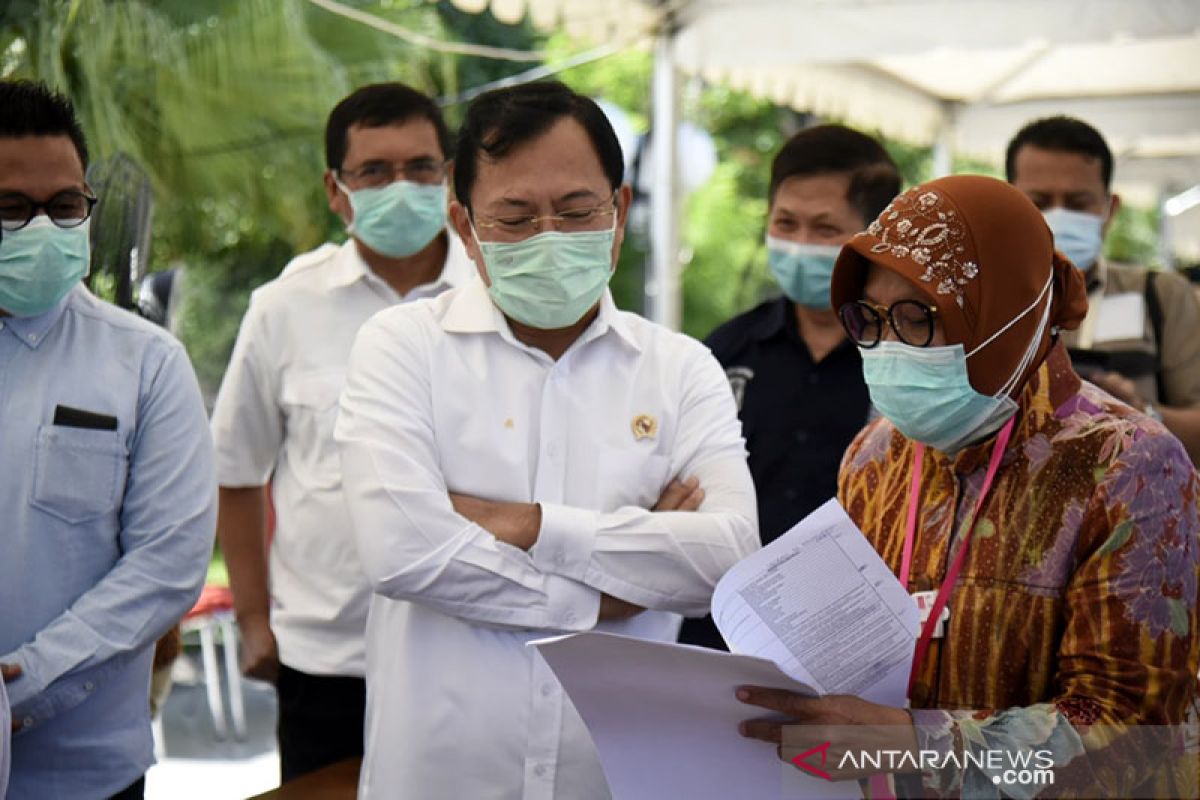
(213, 612)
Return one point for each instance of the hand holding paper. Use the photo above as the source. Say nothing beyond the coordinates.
(816, 612)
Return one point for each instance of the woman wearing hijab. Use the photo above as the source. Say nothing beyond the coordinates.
(1058, 526)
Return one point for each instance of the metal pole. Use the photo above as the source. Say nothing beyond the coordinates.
(943, 148)
(663, 298)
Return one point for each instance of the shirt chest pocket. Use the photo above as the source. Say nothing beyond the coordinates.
(79, 474)
(310, 400)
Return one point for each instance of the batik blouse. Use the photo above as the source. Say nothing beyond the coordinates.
(1076, 605)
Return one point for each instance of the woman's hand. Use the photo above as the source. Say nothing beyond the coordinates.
(827, 736)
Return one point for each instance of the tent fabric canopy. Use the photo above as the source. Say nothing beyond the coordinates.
(963, 73)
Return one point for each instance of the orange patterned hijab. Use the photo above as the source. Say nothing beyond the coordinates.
(981, 253)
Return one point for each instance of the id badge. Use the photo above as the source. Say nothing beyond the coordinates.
(924, 602)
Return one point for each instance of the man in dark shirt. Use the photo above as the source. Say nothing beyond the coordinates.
(797, 380)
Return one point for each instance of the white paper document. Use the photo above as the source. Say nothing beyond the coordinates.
(820, 603)
(1121, 317)
(816, 611)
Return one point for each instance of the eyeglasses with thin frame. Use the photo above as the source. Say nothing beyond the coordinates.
(68, 209)
(912, 320)
(515, 227)
(375, 174)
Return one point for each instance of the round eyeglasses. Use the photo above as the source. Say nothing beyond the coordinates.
(68, 209)
(375, 174)
(912, 320)
(518, 227)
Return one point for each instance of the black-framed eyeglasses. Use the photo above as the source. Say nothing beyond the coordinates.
(68, 209)
(516, 227)
(912, 320)
(375, 174)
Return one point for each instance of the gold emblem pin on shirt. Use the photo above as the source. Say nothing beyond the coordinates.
(644, 427)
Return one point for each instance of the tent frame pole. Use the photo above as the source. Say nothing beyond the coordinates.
(662, 285)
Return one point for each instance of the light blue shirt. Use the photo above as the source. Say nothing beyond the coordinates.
(105, 537)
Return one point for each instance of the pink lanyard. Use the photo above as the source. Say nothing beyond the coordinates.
(943, 595)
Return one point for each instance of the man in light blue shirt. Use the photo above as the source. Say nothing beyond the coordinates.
(107, 488)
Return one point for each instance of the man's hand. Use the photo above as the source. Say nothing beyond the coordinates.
(834, 724)
(260, 652)
(517, 524)
(1119, 387)
(10, 672)
(681, 496)
(614, 608)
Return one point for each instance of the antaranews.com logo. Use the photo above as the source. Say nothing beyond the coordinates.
(1006, 767)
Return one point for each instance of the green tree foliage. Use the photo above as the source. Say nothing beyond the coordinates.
(224, 103)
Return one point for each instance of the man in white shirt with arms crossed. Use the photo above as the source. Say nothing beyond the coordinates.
(522, 459)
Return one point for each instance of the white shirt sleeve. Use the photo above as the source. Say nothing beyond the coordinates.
(247, 421)
(412, 543)
(668, 561)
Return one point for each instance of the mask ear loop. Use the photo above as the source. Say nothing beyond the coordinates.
(1031, 350)
(1018, 317)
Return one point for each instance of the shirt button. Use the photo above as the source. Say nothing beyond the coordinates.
(813, 378)
(552, 450)
(540, 770)
(547, 690)
(569, 617)
(88, 686)
(27, 722)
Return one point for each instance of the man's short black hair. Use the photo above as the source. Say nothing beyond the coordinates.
(30, 108)
(1064, 134)
(836, 149)
(374, 106)
(502, 119)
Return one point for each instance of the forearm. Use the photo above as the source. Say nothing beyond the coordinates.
(1184, 422)
(669, 561)
(242, 535)
(146, 593)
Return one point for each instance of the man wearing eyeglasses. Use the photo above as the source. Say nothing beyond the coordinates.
(301, 598)
(107, 491)
(522, 459)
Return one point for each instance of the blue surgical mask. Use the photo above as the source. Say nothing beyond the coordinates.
(399, 219)
(1079, 235)
(550, 280)
(39, 264)
(926, 392)
(804, 271)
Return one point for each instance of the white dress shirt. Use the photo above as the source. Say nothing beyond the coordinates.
(273, 421)
(441, 398)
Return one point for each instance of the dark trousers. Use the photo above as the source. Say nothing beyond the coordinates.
(135, 791)
(320, 720)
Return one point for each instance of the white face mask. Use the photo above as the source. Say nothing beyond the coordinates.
(926, 392)
(1078, 234)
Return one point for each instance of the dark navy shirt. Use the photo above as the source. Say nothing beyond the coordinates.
(798, 417)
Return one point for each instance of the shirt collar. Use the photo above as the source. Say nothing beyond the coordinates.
(348, 267)
(471, 310)
(32, 330)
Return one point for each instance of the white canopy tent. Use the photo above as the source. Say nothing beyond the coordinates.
(963, 75)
